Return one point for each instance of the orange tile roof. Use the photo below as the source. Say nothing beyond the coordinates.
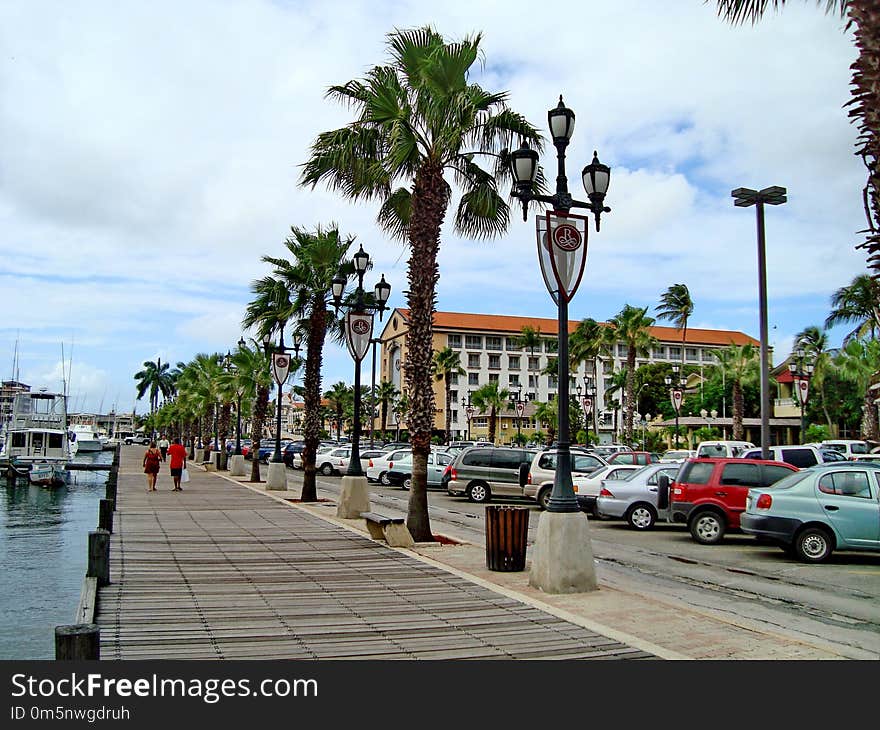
(513, 325)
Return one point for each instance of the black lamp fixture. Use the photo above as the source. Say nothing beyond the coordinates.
(676, 394)
(801, 370)
(359, 336)
(562, 248)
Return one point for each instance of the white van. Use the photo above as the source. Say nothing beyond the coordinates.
(801, 456)
(723, 449)
(848, 447)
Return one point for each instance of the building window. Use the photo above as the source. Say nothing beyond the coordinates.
(473, 360)
(622, 350)
(692, 353)
(675, 353)
(512, 344)
(495, 362)
(552, 381)
(453, 378)
(708, 356)
(551, 345)
(454, 416)
(513, 380)
(534, 363)
(481, 422)
(513, 362)
(453, 396)
(473, 378)
(533, 381)
(473, 342)
(493, 377)
(658, 353)
(493, 343)
(453, 340)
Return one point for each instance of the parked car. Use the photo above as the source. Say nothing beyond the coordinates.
(588, 486)
(803, 457)
(137, 438)
(847, 447)
(543, 470)
(395, 445)
(483, 471)
(676, 456)
(606, 450)
(401, 473)
(334, 461)
(378, 466)
(722, 449)
(634, 497)
(814, 512)
(291, 450)
(709, 495)
(634, 457)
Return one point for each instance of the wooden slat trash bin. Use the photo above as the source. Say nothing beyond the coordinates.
(507, 532)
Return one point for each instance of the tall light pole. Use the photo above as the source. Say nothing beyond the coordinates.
(519, 408)
(358, 335)
(562, 254)
(676, 394)
(589, 404)
(744, 198)
(801, 372)
(375, 341)
(277, 477)
(469, 412)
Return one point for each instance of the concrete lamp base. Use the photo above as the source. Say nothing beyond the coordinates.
(562, 559)
(236, 466)
(277, 478)
(354, 498)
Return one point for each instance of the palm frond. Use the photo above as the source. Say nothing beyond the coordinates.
(482, 212)
(347, 160)
(396, 213)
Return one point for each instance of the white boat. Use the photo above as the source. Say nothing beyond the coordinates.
(37, 442)
(86, 437)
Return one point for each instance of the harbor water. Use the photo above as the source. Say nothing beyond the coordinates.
(43, 548)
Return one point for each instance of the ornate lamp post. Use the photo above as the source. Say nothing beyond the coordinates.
(518, 407)
(676, 393)
(277, 477)
(375, 341)
(744, 198)
(588, 403)
(802, 371)
(562, 249)
(358, 335)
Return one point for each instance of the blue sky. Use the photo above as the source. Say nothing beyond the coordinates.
(151, 156)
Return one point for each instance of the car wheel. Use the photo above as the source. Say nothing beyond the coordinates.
(544, 497)
(641, 517)
(479, 492)
(813, 545)
(407, 483)
(384, 480)
(707, 527)
(326, 469)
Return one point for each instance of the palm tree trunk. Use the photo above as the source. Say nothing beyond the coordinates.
(223, 428)
(869, 417)
(737, 411)
(384, 417)
(312, 396)
(493, 424)
(429, 201)
(261, 408)
(448, 407)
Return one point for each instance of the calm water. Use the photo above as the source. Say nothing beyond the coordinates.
(43, 543)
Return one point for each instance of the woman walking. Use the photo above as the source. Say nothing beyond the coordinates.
(152, 459)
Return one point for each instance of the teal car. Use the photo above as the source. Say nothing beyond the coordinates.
(813, 512)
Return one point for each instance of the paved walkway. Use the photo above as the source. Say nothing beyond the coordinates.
(223, 571)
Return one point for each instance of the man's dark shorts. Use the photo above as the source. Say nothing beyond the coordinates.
(176, 472)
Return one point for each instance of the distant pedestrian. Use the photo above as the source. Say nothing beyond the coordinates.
(163, 446)
(177, 452)
(152, 460)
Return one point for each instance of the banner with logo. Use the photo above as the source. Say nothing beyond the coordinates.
(562, 252)
(803, 390)
(676, 397)
(358, 333)
(280, 366)
(588, 405)
(520, 408)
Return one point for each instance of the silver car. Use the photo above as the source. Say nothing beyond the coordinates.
(634, 498)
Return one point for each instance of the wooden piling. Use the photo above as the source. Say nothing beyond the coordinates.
(105, 514)
(99, 556)
(77, 642)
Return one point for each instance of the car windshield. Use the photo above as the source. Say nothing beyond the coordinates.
(859, 448)
(789, 481)
(628, 477)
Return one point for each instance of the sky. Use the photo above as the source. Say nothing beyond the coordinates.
(150, 154)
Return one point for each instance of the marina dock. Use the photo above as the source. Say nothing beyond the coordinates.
(221, 571)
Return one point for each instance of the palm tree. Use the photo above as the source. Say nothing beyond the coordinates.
(814, 341)
(739, 364)
(447, 362)
(547, 414)
(530, 337)
(419, 119)
(385, 393)
(254, 380)
(860, 303)
(859, 362)
(587, 344)
(155, 378)
(676, 306)
(339, 396)
(492, 398)
(306, 278)
(632, 327)
(864, 18)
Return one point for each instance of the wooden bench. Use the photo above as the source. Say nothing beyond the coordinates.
(390, 529)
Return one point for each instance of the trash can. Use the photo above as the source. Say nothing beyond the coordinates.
(507, 532)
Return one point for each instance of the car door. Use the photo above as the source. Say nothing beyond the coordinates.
(436, 466)
(733, 486)
(849, 500)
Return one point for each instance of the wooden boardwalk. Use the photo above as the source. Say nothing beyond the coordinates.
(222, 572)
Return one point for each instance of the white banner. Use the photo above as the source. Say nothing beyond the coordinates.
(520, 408)
(803, 390)
(676, 396)
(358, 332)
(280, 366)
(588, 405)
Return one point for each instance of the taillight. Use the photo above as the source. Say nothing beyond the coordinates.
(764, 501)
(605, 493)
(453, 475)
(529, 480)
(676, 493)
(390, 465)
(370, 464)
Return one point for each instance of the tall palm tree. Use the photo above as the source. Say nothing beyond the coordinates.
(587, 344)
(676, 306)
(814, 341)
(530, 337)
(864, 18)
(339, 396)
(491, 398)
(386, 394)
(547, 414)
(252, 371)
(447, 362)
(419, 119)
(857, 303)
(739, 364)
(155, 378)
(315, 258)
(632, 327)
(859, 362)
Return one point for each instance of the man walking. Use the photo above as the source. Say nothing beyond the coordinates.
(177, 452)
(163, 446)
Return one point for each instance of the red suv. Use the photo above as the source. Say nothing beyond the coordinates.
(633, 457)
(710, 494)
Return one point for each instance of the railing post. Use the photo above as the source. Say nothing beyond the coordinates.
(77, 641)
(105, 514)
(99, 556)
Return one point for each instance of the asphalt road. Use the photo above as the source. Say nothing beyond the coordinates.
(837, 602)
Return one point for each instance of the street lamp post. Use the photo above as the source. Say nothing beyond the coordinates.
(375, 341)
(589, 405)
(358, 336)
(469, 412)
(277, 477)
(676, 394)
(744, 198)
(519, 408)
(562, 248)
(801, 371)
